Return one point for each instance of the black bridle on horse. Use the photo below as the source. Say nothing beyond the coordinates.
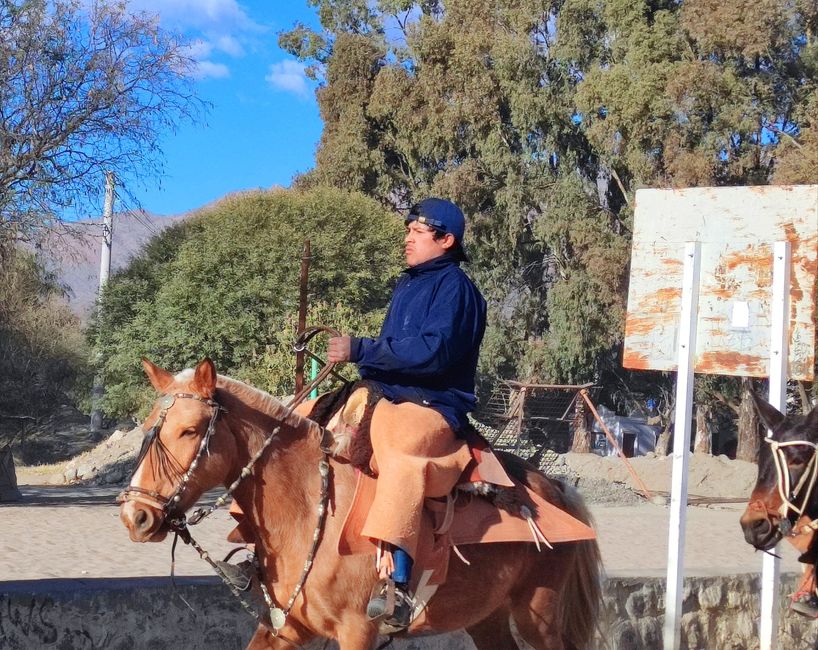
(151, 439)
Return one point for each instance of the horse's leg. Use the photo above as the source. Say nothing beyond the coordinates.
(356, 633)
(535, 613)
(493, 632)
(264, 639)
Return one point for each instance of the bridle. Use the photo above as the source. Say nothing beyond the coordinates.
(151, 497)
(179, 524)
(802, 491)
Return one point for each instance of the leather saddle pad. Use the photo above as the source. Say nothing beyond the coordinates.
(469, 520)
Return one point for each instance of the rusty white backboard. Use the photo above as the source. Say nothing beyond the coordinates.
(737, 227)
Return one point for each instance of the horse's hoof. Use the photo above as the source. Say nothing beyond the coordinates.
(806, 606)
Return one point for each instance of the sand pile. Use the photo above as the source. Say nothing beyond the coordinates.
(714, 477)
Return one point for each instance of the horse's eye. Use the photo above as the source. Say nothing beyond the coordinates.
(189, 432)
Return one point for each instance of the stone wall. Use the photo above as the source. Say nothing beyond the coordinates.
(147, 613)
(718, 613)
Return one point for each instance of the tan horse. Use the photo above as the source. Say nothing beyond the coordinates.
(553, 596)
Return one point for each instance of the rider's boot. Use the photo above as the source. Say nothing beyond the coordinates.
(378, 606)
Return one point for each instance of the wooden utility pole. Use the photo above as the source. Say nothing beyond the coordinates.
(302, 314)
(104, 274)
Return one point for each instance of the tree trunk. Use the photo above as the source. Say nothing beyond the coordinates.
(704, 441)
(582, 434)
(664, 440)
(748, 424)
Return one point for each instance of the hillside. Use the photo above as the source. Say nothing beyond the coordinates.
(75, 257)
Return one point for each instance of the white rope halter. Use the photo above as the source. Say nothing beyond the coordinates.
(805, 484)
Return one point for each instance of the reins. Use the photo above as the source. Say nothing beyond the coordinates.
(803, 488)
(179, 524)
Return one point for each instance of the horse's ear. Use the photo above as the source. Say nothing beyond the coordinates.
(160, 379)
(204, 378)
(770, 415)
(812, 422)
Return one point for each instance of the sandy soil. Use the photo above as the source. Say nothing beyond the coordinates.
(74, 530)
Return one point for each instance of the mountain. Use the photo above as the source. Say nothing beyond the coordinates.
(75, 255)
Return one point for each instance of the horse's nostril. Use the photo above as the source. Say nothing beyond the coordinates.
(761, 526)
(141, 519)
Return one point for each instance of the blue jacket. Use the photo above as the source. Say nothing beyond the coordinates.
(427, 350)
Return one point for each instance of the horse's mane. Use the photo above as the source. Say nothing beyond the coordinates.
(261, 403)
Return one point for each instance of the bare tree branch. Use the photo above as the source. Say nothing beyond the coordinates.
(84, 89)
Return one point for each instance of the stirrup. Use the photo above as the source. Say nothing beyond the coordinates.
(805, 603)
(390, 606)
(239, 575)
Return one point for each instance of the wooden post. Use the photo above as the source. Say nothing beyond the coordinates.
(520, 414)
(582, 439)
(302, 314)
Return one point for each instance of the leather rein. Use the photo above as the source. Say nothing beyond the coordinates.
(788, 493)
(178, 523)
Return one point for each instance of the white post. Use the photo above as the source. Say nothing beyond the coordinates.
(107, 232)
(104, 273)
(681, 445)
(779, 355)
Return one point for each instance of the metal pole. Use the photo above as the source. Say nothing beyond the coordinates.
(302, 314)
(681, 445)
(779, 355)
(104, 274)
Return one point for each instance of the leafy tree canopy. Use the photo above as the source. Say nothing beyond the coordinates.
(43, 356)
(541, 118)
(225, 284)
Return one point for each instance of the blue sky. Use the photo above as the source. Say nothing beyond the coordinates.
(263, 126)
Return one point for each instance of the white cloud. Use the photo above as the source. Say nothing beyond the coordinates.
(211, 70)
(289, 76)
(229, 45)
(220, 16)
(199, 50)
(219, 29)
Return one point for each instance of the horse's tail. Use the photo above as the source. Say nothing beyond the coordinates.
(582, 598)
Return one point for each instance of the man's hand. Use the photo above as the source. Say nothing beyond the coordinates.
(339, 349)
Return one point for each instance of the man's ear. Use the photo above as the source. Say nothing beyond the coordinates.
(159, 377)
(204, 378)
(770, 415)
(448, 241)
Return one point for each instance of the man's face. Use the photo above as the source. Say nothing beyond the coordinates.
(421, 245)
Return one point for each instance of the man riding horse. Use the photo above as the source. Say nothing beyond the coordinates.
(424, 362)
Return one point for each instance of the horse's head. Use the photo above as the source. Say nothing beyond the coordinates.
(787, 470)
(186, 450)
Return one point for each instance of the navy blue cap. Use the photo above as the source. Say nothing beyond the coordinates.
(440, 214)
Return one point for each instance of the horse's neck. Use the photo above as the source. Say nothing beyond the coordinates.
(281, 495)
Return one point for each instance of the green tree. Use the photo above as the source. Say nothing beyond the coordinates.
(542, 118)
(473, 103)
(43, 355)
(224, 284)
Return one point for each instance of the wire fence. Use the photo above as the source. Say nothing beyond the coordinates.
(533, 421)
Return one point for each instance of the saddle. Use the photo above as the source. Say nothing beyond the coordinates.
(487, 505)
